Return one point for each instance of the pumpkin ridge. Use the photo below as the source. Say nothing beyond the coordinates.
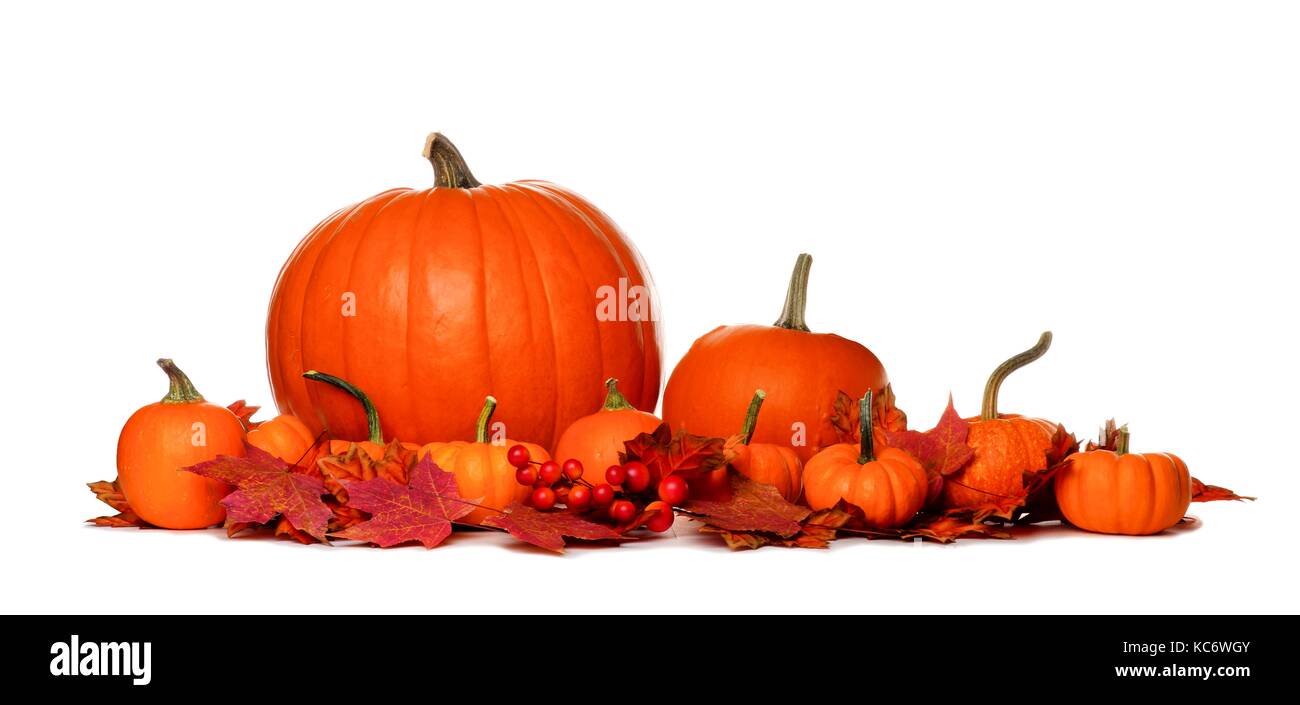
(413, 407)
(483, 292)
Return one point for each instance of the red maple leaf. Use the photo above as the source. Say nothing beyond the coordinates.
(267, 487)
(548, 529)
(682, 454)
(1202, 492)
(421, 510)
(110, 493)
(753, 506)
(942, 450)
(816, 531)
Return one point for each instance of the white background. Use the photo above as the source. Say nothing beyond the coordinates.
(965, 174)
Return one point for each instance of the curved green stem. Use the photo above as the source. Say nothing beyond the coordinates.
(372, 416)
(796, 296)
(449, 168)
(614, 399)
(484, 419)
(989, 410)
(1121, 441)
(865, 412)
(182, 390)
(751, 416)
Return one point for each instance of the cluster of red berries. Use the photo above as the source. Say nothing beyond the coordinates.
(624, 495)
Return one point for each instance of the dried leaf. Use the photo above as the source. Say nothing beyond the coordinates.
(355, 464)
(753, 506)
(548, 529)
(682, 454)
(946, 529)
(817, 531)
(244, 413)
(268, 487)
(1202, 492)
(942, 450)
(886, 417)
(110, 493)
(421, 510)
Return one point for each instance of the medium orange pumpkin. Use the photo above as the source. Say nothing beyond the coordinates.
(1117, 492)
(160, 439)
(342, 460)
(1006, 445)
(286, 437)
(483, 474)
(432, 299)
(888, 487)
(596, 440)
(801, 371)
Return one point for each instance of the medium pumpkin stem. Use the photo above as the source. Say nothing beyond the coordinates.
(449, 168)
(751, 416)
(484, 419)
(614, 399)
(796, 296)
(182, 390)
(989, 410)
(868, 453)
(372, 415)
(1121, 441)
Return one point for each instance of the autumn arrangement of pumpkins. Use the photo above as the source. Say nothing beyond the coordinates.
(455, 316)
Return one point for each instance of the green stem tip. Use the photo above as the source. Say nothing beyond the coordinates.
(865, 412)
(989, 410)
(484, 420)
(796, 296)
(372, 416)
(751, 416)
(1121, 440)
(614, 399)
(182, 390)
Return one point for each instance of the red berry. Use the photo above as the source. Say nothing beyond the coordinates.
(526, 476)
(579, 498)
(542, 498)
(561, 493)
(518, 456)
(673, 490)
(622, 511)
(637, 477)
(641, 467)
(615, 475)
(573, 469)
(549, 473)
(602, 495)
(662, 520)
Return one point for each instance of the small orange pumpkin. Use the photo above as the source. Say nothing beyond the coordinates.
(160, 439)
(483, 474)
(596, 440)
(286, 437)
(1006, 445)
(888, 487)
(1117, 492)
(769, 463)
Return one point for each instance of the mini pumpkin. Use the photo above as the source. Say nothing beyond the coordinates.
(769, 463)
(161, 438)
(1006, 445)
(287, 438)
(596, 440)
(1118, 492)
(341, 461)
(483, 473)
(888, 487)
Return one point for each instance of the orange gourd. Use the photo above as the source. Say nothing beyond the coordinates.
(361, 460)
(160, 439)
(483, 474)
(1006, 445)
(769, 463)
(596, 439)
(888, 486)
(286, 437)
(432, 299)
(802, 372)
(1117, 492)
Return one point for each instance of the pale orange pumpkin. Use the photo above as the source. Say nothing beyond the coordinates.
(596, 440)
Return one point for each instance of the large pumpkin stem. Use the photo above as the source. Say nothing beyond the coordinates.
(182, 390)
(449, 168)
(989, 410)
(868, 452)
(1121, 440)
(614, 399)
(484, 419)
(372, 416)
(796, 296)
(751, 416)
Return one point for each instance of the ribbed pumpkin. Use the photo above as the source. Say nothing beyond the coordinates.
(161, 438)
(1006, 445)
(596, 440)
(1117, 492)
(802, 372)
(888, 486)
(432, 299)
(483, 474)
(768, 463)
(286, 437)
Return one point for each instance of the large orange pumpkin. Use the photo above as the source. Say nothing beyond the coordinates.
(160, 439)
(596, 440)
(801, 371)
(432, 299)
(1117, 492)
(1006, 445)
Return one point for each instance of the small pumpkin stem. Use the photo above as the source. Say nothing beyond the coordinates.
(796, 296)
(182, 390)
(614, 399)
(865, 410)
(372, 416)
(989, 410)
(751, 416)
(1121, 440)
(449, 168)
(484, 419)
